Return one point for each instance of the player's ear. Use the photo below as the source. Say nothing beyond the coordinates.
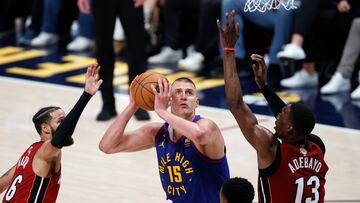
(45, 128)
(197, 102)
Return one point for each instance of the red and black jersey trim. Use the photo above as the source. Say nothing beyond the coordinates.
(38, 190)
(275, 165)
(264, 190)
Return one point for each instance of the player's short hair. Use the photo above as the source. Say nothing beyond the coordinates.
(238, 190)
(184, 79)
(43, 116)
(302, 118)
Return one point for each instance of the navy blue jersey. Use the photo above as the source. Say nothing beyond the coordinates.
(187, 175)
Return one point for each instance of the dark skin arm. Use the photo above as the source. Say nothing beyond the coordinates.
(275, 103)
(263, 141)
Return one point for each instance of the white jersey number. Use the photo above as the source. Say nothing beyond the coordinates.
(12, 189)
(314, 183)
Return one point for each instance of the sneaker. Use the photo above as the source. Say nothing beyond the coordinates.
(81, 44)
(167, 55)
(192, 63)
(26, 38)
(336, 84)
(292, 51)
(44, 39)
(301, 79)
(356, 93)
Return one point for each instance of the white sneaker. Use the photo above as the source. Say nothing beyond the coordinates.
(336, 84)
(292, 51)
(356, 93)
(44, 39)
(167, 55)
(301, 79)
(81, 44)
(192, 62)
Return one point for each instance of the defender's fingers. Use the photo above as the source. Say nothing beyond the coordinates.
(255, 68)
(97, 69)
(237, 29)
(226, 21)
(233, 17)
(221, 30)
(98, 83)
(91, 68)
(88, 71)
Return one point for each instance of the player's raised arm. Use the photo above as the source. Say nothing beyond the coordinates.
(275, 103)
(260, 138)
(51, 149)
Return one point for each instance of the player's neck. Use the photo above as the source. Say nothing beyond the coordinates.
(173, 136)
(189, 117)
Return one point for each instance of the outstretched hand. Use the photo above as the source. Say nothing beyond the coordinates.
(230, 33)
(259, 70)
(91, 85)
(162, 94)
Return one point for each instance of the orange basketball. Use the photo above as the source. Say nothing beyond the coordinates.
(141, 90)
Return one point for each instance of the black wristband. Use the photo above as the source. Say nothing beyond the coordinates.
(274, 101)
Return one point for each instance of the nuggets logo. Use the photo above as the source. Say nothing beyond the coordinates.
(173, 171)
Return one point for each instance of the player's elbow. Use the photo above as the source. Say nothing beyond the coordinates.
(199, 136)
(105, 148)
(236, 105)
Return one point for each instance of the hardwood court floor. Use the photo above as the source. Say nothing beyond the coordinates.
(91, 176)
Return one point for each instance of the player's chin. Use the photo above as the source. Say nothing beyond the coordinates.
(69, 142)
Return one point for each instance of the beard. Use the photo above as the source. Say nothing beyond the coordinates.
(68, 142)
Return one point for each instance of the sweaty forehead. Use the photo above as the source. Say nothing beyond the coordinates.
(182, 85)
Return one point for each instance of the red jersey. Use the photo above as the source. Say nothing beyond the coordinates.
(26, 186)
(296, 175)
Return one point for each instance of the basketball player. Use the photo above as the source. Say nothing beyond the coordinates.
(291, 168)
(36, 176)
(237, 190)
(190, 149)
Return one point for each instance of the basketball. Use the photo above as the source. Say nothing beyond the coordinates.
(141, 90)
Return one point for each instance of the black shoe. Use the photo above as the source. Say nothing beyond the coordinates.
(142, 115)
(106, 114)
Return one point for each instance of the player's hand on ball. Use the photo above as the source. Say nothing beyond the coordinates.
(162, 94)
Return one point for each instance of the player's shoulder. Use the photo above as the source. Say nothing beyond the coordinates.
(206, 121)
(153, 127)
(317, 141)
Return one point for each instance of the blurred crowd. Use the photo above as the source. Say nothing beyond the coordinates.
(315, 45)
